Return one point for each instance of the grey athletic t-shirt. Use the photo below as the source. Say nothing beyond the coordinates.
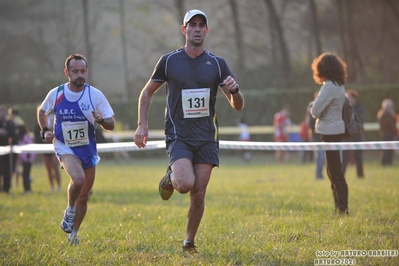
(192, 85)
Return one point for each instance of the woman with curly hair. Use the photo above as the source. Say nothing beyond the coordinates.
(330, 71)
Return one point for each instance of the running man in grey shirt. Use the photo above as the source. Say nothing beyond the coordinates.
(193, 76)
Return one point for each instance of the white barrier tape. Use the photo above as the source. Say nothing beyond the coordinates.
(101, 147)
(310, 146)
(223, 144)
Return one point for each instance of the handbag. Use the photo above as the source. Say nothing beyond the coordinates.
(353, 127)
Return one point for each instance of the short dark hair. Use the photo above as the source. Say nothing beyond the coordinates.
(13, 111)
(76, 57)
(328, 66)
(352, 92)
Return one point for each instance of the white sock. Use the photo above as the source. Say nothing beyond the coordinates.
(71, 209)
(187, 241)
(171, 176)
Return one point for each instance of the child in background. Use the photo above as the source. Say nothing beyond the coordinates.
(244, 136)
(25, 159)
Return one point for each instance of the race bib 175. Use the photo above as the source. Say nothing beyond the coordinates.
(75, 133)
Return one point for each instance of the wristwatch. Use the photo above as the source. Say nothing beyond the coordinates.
(236, 90)
(44, 130)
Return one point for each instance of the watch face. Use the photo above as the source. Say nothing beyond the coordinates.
(43, 131)
(237, 89)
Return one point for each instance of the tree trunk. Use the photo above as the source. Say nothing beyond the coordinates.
(315, 26)
(86, 33)
(125, 94)
(394, 9)
(240, 63)
(342, 23)
(284, 52)
(179, 4)
(348, 35)
(357, 60)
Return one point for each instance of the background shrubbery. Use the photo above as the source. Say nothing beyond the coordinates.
(260, 106)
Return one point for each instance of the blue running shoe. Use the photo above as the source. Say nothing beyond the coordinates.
(67, 222)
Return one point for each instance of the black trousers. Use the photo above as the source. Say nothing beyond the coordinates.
(387, 155)
(5, 172)
(26, 166)
(357, 154)
(336, 176)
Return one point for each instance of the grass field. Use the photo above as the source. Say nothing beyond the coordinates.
(259, 213)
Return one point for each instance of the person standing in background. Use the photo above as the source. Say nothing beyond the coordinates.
(193, 77)
(330, 71)
(50, 160)
(388, 132)
(353, 97)
(13, 115)
(320, 157)
(244, 136)
(77, 106)
(25, 159)
(281, 121)
(7, 137)
(397, 122)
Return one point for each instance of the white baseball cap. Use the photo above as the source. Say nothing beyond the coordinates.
(190, 14)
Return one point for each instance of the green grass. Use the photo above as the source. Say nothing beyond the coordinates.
(260, 213)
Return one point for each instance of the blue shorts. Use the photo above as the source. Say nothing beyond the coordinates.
(87, 162)
(198, 152)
